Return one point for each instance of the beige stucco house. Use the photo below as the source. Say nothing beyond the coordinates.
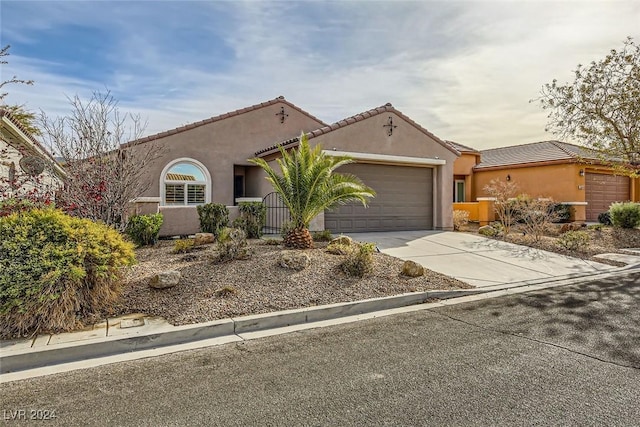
(26, 167)
(410, 168)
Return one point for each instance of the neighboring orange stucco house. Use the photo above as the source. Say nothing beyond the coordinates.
(567, 173)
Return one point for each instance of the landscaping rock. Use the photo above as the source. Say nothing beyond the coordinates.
(295, 260)
(412, 269)
(342, 240)
(487, 230)
(165, 279)
(204, 239)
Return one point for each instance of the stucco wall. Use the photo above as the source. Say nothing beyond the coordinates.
(222, 144)
(561, 182)
(369, 136)
(47, 181)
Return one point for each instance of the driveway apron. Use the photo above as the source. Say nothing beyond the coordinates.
(478, 260)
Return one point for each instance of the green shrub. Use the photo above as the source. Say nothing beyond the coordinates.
(55, 269)
(232, 244)
(214, 217)
(596, 227)
(460, 220)
(322, 236)
(253, 217)
(183, 246)
(359, 261)
(561, 212)
(625, 215)
(604, 218)
(573, 240)
(143, 229)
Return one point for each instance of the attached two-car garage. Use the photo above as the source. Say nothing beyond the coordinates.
(404, 200)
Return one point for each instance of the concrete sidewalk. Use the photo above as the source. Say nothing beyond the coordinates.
(480, 261)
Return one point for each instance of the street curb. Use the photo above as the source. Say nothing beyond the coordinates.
(24, 359)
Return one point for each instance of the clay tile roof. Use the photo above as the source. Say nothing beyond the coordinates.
(354, 119)
(462, 148)
(279, 99)
(536, 152)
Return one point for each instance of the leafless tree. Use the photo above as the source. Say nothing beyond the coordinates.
(504, 193)
(26, 118)
(103, 174)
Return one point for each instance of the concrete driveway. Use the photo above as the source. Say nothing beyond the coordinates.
(477, 260)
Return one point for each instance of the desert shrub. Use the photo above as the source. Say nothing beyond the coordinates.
(232, 244)
(337, 248)
(561, 212)
(625, 215)
(359, 260)
(604, 218)
(596, 227)
(573, 240)
(322, 236)
(183, 246)
(143, 229)
(214, 217)
(253, 217)
(55, 269)
(505, 207)
(460, 220)
(536, 215)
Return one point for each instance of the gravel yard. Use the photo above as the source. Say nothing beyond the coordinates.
(210, 290)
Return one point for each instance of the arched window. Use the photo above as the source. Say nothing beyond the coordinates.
(185, 182)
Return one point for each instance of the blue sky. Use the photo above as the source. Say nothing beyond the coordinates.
(465, 70)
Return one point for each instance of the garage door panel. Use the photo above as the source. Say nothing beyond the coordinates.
(602, 190)
(404, 200)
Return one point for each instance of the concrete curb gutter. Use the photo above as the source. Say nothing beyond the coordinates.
(30, 358)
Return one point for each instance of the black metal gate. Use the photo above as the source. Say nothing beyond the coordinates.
(277, 213)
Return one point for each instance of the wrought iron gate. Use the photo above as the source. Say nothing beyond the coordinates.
(277, 213)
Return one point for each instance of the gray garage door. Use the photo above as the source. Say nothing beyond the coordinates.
(404, 200)
(602, 190)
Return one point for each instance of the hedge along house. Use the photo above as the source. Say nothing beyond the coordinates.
(26, 167)
(410, 168)
(567, 173)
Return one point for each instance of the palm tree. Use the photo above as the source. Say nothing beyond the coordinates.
(308, 185)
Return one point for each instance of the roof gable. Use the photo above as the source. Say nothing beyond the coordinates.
(387, 108)
(220, 117)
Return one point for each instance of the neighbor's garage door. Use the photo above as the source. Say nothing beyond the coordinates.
(602, 190)
(404, 200)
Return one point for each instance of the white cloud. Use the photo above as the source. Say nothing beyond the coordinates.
(464, 70)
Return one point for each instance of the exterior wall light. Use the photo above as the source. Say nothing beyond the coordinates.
(581, 172)
(508, 177)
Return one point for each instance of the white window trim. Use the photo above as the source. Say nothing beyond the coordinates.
(207, 183)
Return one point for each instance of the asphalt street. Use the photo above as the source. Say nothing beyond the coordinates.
(562, 356)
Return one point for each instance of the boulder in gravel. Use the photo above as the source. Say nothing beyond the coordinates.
(412, 269)
(165, 279)
(342, 240)
(295, 260)
(203, 239)
(487, 230)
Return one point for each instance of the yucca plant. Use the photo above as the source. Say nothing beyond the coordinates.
(308, 185)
